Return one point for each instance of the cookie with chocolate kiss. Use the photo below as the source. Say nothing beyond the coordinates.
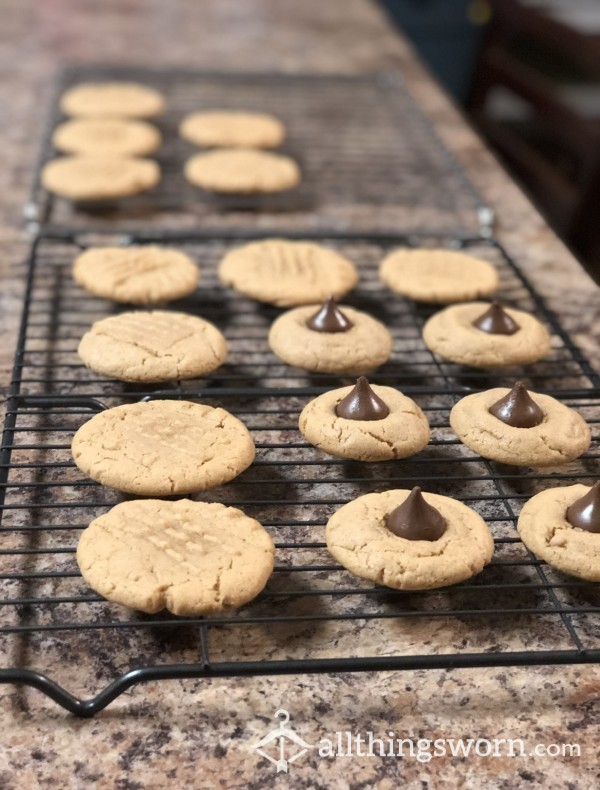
(516, 426)
(562, 527)
(366, 422)
(409, 540)
(484, 335)
(330, 338)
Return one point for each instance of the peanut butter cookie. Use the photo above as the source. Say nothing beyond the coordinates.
(192, 558)
(362, 343)
(232, 129)
(518, 340)
(438, 276)
(380, 424)
(242, 171)
(138, 275)
(112, 100)
(444, 541)
(520, 427)
(163, 447)
(96, 178)
(106, 137)
(550, 529)
(287, 273)
(153, 346)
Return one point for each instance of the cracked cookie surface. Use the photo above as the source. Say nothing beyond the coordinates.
(232, 129)
(136, 275)
(287, 273)
(451, 334)
(544, 529)
(163, 447)
(562, 436)
(191, 558)
(363, 347)
(358, 538)
(242, 171)
(404, 432)
(106, 136)
(153, 346)
(99, 177)
(438, 276)
(112, 100)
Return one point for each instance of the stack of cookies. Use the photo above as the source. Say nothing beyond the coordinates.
(239, 162)
(106, 142)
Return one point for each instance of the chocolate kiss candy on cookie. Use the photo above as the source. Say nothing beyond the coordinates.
(496, 321)
(362, 403)
(584, 513)
(329, 318)
(415, 519)
(517, 408)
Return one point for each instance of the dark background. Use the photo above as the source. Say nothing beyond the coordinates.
(527, 74)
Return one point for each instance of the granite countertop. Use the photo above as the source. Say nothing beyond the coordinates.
(198, 733)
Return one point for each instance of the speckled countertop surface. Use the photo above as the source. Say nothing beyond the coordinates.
(197, 733)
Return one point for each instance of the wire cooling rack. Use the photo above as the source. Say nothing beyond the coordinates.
(313, 615)
(361, 142)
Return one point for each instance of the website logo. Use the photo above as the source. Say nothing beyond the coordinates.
(281, 745)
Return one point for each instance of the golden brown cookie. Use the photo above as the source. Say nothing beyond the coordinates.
(359, 538)
(93, 178)
(153, 346)
(287, 273)
(366, 345)
(140, 275)
(451, 334)
(192, 558)
(112, 100)
(545, 530)
(438, 276)
(232, 129)
(242, 171)
(163, 447)
(560, 437)
(403, 432)
(106, 137)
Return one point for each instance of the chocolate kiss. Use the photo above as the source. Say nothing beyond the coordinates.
(585, 512)
(496, 321)
(361, 403)
(517, 408)
(415, 519)
(329, 318)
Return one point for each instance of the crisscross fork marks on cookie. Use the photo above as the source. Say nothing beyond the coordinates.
(188, 557)
(163, 447)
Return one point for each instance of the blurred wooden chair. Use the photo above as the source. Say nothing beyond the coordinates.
(536, 97)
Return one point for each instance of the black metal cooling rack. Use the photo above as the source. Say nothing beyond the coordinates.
(361, 142)
(313, 616)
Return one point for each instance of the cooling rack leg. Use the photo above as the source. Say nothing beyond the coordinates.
(81, 708)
